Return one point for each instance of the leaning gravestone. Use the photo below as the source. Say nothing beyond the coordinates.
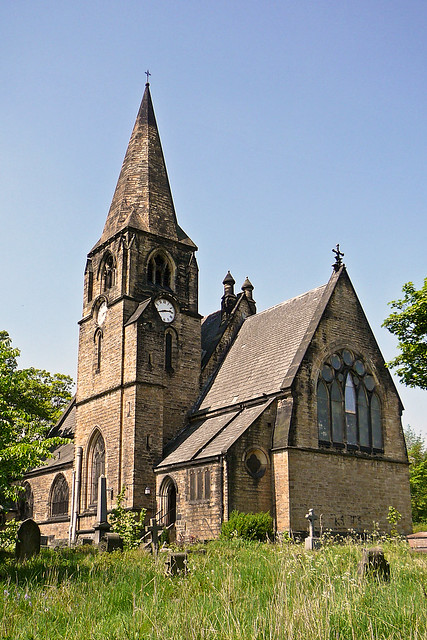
(28, 542)
(374, 564)
(110, 542)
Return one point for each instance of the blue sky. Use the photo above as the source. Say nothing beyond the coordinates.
(286, 126)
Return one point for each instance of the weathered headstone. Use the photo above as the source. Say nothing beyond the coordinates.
(311, 542)
(111, 542)
(176, 564)
(374, 564)
(28, 540)
(101, 525)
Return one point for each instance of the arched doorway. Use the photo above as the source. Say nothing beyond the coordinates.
(168, 502)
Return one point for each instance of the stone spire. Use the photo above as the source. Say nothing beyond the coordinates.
(143, 198)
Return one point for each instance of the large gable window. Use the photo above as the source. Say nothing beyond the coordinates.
(348, 408)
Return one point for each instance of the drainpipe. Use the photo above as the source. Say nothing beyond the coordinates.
(76, 502)
(73, 490)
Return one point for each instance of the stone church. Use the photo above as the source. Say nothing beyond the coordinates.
(284, 410)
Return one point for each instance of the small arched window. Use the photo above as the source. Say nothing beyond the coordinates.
(98, 350)
(159, 271)
(97, 466)
(108, 273)
(59, 496)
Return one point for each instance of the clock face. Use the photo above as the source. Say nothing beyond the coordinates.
(166, 309)
(102, 313)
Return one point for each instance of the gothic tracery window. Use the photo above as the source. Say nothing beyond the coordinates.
(97, 466)
(59, 497)
(159, 271)
(348, 408)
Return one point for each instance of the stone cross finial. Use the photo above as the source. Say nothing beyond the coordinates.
(311, 517)
(148, 74)
(338, 255)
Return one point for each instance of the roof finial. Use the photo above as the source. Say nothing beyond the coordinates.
(338, 255)
(148, 74)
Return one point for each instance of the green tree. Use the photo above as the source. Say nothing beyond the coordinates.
(408, 322)
(31, 401)
(417, 453)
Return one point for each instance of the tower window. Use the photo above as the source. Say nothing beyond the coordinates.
(348, 409)
(159, 271)
(108, 273)
(59, 496)
(98, 350)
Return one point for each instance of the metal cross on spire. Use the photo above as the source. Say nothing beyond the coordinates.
(148, 74)
(338, 255)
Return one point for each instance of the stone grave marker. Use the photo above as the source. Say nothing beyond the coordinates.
(28, 540)
(374, 564)
(111, 542)
(311, 542)
(153, 529)
(176, 564)
(418, 541)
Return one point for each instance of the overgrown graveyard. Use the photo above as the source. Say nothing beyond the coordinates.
(236, 590)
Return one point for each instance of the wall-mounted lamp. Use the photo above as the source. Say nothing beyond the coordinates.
(147, 491)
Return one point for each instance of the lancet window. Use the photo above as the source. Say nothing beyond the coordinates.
(348, 406)
(96, 465)
(108, 273)
(159, 271)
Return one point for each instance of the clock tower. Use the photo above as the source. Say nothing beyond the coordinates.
(139, 344)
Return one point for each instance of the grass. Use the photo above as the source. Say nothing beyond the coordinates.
(236, 591)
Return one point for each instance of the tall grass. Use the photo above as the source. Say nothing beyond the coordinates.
(236, 591)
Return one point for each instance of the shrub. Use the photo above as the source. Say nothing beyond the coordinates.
(249, 526)
(128, 524)
(8, 534)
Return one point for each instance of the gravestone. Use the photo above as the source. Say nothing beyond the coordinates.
(153, 529)
(418, 541)
(28, 540)
(374, 564)
(176, 564)
(101, 525)
(311, 542)
(111, 542)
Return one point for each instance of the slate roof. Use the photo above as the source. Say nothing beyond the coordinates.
(262, 360)
(263, 352)
(212, 436)
(211, 334)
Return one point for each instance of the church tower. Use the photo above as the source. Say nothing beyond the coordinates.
(139, 344)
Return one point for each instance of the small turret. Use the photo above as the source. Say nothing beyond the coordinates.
(229, 298)
(247, 288)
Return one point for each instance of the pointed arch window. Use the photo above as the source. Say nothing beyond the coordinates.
(108, 273)
(98, 350)
(169, 351)
(97, 466)
(59, 496)
(348, 408)
(159, 271)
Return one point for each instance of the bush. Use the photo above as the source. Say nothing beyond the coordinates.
(128, 524)
(8, 535)
(249, 526)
